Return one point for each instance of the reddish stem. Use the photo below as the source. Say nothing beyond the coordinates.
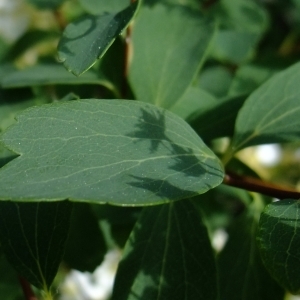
(27, 290)
(259, 186)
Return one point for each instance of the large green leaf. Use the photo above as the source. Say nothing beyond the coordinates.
(33, 237)
(271, 113)
(169, 44)
(279, 242)
(87, 39)
(47, 74)
(241, 272)
(168, 256)
(115, 151)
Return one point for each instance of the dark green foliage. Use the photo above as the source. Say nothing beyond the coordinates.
(152, 174)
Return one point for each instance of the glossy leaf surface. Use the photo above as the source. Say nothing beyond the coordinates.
(169, 44)
(168, 256)
(279, 242)
(271, 113)
(87, 39)
(115, 151)
(33, 236)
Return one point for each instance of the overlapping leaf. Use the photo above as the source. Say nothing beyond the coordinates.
(33, 236)
(169, 44)
(121, 152)
(168, 256)
(87, 39)
(271, 113)
(47, 74)
(241, 272)
(279, 242)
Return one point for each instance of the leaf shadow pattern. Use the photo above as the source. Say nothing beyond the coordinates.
(151, 126)
(85, 25)
(100, 30)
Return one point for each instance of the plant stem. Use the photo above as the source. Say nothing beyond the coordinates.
(127, 52)
(27, 290)
(259, 186)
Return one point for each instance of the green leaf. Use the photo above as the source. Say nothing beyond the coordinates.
(9, 110)
(116, 151)
(47, 74)
(217, 120)
(241, 272)
(168, 256)
(167, 53)
(242, 24)
(193, 99)
(271, 113)
(87, 39)
(279, 242)
(234, 46)
(46, 4)
(243, 15)
(97, 7)
(85, 246)
(216, 80)
(248, 78)
(33, 237)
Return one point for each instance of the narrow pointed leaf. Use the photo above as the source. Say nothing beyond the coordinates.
(86, 40)
(169, 45)
(279, 242)
(47, 74)
(271, 113)
(116, 151)
(33, 237)
(168, 256)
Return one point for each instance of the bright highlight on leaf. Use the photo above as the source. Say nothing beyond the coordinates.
(168, 256)
(279, 241)
(271, 113)
(106, 151)
(86, 40)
